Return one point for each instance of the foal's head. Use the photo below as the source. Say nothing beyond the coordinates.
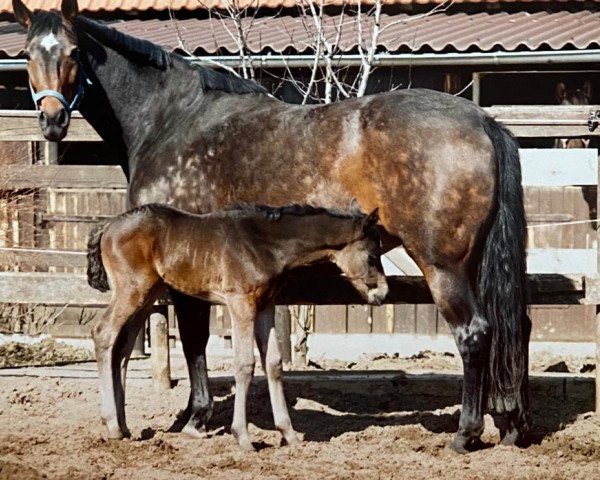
(360, 261)
(52, 64)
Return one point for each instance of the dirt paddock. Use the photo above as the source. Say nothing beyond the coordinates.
(355, 423)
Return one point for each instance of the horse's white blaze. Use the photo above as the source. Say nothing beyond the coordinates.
(49, 41)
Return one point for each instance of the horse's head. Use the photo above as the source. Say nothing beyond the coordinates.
(360, 261)
(55, 78)
(578, 96)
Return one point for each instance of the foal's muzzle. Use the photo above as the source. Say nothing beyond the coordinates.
(376, 296)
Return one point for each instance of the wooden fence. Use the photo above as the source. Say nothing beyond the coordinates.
(99, 191)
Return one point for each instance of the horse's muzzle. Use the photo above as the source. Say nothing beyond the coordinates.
(376, 296)
(54, 125)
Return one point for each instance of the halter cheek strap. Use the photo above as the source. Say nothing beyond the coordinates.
(69, 107)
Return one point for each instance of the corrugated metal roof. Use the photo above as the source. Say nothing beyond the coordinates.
(441, 32)
(143, 5)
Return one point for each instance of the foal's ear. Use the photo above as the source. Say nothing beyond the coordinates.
(355, 207)
(372, 218)
(69, 9)
(22, 13)
(561, 92)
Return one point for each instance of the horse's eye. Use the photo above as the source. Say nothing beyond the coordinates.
(373, 259)
(75, 54)
(26, 55)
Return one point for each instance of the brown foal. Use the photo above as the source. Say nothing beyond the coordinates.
(234, 257)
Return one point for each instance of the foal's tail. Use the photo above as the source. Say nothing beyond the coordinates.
(96, 273)
(502, 282)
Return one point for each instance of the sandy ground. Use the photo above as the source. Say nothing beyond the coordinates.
(391, 422)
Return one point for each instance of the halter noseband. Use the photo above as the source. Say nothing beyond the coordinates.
(69, 107)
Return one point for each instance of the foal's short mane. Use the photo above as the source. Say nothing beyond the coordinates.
(147, 52)
(270, 213)
(275, 213)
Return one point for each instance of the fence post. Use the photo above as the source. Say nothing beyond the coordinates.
(597, 393)
(283, 324)
(159, 336)
(50, 153)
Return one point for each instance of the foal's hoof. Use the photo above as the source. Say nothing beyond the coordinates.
(246, 445)
(194, 432)
(291, 440)
(463, 445)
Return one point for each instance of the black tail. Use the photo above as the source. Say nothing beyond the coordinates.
(96, 273)
(502, 282)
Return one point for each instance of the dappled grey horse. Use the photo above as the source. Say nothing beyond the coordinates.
(445, 176)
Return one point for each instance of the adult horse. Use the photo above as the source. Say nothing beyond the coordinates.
(445, 176)
(573, 96)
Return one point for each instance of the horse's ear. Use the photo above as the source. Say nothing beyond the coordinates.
(69, 9)
(355, 207)
(561, 92)
(22, 13)
(587, 90)
(372, 218)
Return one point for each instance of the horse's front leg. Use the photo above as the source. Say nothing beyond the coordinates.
(193, 318)
(270, 355)
(243, 315)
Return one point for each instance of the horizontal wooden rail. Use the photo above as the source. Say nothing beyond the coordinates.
(22, 125)
(39, 288)
(522, 120)
(545, 120)
(20, 177)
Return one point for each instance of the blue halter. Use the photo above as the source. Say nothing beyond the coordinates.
(69, 107)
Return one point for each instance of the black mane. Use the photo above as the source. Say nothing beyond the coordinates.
(46, 22)
(275, 213)
(145, 52)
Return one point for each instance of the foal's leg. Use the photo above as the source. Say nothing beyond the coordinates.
(111, 339)
(126, 342)
(270, 355)
(242, 321)
(453, 295)
(193, 317)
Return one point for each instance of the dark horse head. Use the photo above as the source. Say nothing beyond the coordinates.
(578, 96)
(55, 78)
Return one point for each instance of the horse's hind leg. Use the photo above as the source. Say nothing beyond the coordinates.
(112, 339)
(193, 317)
(270, 355)
(454, 296)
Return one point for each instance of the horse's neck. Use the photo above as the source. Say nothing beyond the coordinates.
(135, 107)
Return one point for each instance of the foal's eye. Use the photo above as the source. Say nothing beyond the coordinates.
(26, 55)
(74, 54)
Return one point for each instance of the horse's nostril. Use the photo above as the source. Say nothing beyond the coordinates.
(61, 118)
(42, 116)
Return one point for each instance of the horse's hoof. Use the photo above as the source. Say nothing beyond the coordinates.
(194, 432)
(463, 445)
(118, 435)
(291, 440)
(510, 438)
(246, 445)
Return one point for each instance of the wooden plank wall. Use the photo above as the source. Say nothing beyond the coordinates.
(21, 213)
